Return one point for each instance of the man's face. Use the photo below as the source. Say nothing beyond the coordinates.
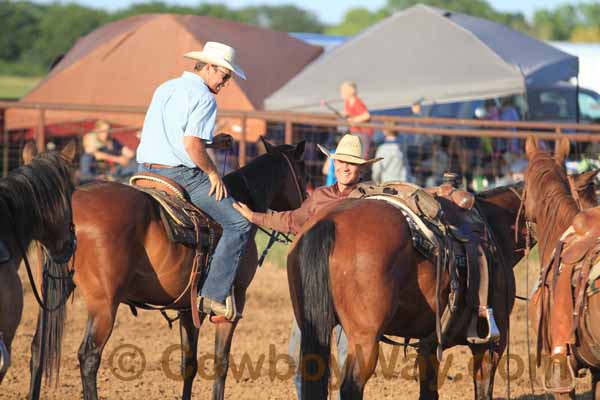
(346, 173)
(217, 78)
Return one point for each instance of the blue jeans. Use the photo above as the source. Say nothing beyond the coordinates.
(294, 352)
(236, 229)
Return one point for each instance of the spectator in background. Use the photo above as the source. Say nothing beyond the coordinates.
(394, 166)
(120, 158)
(356, 112)
(88, 165)
(508, 112)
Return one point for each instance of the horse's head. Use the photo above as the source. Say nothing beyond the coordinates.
(50, 177)
(545, 178)
(292, 191)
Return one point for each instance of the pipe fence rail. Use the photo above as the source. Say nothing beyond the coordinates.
(474, 148)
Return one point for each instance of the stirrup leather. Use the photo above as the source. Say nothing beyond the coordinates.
(493, 333)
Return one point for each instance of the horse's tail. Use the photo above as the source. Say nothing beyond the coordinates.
(318, 315)
(57, 286)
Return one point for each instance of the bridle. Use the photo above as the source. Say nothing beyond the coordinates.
(274, 236)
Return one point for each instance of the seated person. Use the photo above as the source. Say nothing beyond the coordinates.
(113, 152)
(88, 165)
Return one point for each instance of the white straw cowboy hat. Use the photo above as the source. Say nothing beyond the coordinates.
(219, 54)
(349, 150)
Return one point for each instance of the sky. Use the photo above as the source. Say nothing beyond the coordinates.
(329, 11)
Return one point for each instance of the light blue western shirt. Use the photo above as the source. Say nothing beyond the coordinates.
(180, 107)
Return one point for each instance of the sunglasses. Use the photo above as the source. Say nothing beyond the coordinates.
(225, 76)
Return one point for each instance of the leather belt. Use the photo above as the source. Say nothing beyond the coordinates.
(158, 166)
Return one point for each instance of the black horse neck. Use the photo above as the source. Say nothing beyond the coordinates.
(500, 208)
(257, 183)
(35, 196)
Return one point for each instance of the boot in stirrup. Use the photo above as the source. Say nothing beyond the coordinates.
(482, 328)
(219, 312)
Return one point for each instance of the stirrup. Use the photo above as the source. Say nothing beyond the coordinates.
(564, 386)
(219, 312)
(493, 333)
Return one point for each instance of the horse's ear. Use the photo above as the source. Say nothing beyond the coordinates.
(269, 148)
(69, 151)
(587, 177)
(561, 150)
(299, 150)
(531, 146)
(29, 152)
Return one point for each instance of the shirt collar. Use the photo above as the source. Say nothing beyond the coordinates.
(193, 77)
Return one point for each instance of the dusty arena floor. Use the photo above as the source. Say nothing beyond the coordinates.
(260, 337)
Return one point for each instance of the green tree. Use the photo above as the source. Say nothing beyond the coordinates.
(285, 18)
(557, 24)
(356, 20)
(59, 28)
(19, 28)
(155, 7)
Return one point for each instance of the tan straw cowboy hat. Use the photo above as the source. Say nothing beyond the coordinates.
(349, 150)
(218, 54)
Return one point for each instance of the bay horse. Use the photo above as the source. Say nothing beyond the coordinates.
(356, 265)
(124, 255)
(550, 206)
(35, 205)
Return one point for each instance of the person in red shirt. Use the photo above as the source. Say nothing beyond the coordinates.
(356, 112)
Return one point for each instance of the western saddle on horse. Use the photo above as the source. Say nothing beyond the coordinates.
(447, 229)
(185, 224)
(567, 278)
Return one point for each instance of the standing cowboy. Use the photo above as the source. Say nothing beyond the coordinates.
(177, 131)
(348, 162)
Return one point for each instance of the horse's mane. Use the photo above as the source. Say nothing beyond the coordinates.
(39, 192)
(555, 208)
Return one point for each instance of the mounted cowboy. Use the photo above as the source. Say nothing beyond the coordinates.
(177, 131)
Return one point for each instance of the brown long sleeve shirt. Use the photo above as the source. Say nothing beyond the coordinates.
(292, 221)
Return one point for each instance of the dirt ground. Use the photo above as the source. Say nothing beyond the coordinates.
(133, 368)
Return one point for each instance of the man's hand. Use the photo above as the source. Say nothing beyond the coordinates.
(244, 210)
(222, 141)
(217, 187)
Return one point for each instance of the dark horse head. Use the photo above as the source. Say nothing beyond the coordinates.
(284, 164)
(35, 201)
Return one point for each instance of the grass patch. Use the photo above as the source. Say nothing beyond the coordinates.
(14, 87)
(277, 256)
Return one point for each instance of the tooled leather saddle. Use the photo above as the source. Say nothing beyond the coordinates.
(442, 221)
(178, 214)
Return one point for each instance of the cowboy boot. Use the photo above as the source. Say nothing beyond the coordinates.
(219, 312)
(559, 376)
(483, 327)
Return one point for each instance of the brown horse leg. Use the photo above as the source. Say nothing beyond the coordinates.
(99, 327)
(188, 334)
(223, 337)
(485, 363)
(11, 308)
(361, 361)
(428, 370)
